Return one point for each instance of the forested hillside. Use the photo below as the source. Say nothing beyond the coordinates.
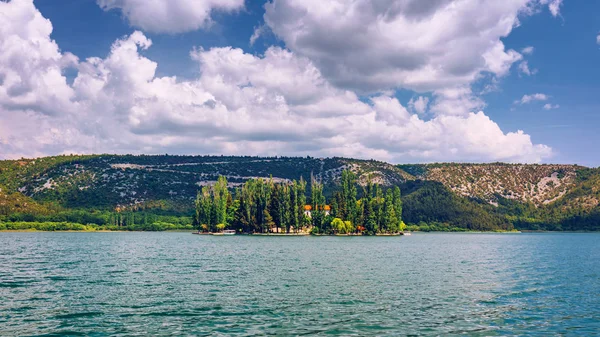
(553, 197)
(109, 181)
(115, 189)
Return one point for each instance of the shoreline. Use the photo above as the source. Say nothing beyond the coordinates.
(291, 234)
(89, 231)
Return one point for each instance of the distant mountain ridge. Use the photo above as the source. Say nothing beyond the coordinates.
(521, 194)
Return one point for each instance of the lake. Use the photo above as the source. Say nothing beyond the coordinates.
(127, 284)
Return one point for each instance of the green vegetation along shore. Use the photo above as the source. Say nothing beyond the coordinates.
(76, 227)
(264, 206)
(141, 192)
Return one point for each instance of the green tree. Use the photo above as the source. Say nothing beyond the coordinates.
(204, 209)
(397, 200)
(318, 205)
(232, 211)
(220, 197)
(276, 206)
(370, 218)
(288, 211)
(341, 227)
(348, 198)
(300, 195)
(390, 222)
(338, 226)
(268, 223)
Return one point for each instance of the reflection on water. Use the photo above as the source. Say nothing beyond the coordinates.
(176, 283)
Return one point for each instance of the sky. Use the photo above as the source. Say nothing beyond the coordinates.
(402, 81)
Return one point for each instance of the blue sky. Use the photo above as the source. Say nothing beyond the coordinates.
(331, 78)
(566, 55)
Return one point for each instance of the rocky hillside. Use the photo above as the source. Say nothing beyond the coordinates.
(473, 196)
(538, 184)
(109, 181)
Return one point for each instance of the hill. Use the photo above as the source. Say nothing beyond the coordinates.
(538, 184)
(473, 196)
(78, 181)
(555, 197)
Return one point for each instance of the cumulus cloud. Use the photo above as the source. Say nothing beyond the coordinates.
(419, 105)
(549, 106)
(279, 103)
(598, 39)
(456, 101)
(431, 47)
(170, 16)
(532, 98)
(411, 44)
(31, 64)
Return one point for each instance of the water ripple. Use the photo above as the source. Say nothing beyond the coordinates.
(137, 284)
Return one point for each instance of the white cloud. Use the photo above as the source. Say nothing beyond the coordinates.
(31, 64)
(524, 69)
(431, 47)
(258, 32)
(524, 65)
(535, 6)
(419, 105)
(170, 16)
(411, 44)
(456, 101)
(279, 103)
(549, 106)
(598, 39)
(553, 6)
(527, 50)
(531, 98)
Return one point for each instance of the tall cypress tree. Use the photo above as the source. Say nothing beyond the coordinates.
(204, 209)
(300, 203)
(397, 204)
(390, 222)
(370, 218)
(349, 197)
(318, 204)
(287, 208)
(220, 196)
(276, 206)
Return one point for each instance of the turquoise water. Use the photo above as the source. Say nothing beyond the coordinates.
(111, 284)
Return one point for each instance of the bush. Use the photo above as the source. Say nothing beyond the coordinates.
(69, 226)
(45, 226)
